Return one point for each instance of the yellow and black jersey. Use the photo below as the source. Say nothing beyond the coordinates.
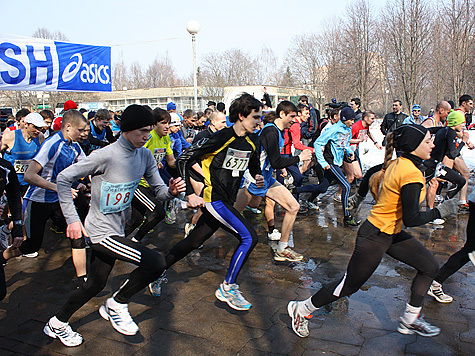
(224, 158)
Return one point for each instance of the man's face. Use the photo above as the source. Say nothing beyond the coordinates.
(288, 119)
(348, 123)
(467, 106)
(138, 137)
(397, 107)
(369, 120)
(416, 113)
(84, 133)
(220, 123)
(305, 102)
(190, 121)
(32, 130)
(76, 131)
(304, 115)
(354, 106)
(21, 123)
(335, 118)
(161, 128)
(443, 113)
(251, 121)
(459, 127)
(101, 124)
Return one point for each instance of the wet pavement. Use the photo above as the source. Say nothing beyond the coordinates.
(188, 319)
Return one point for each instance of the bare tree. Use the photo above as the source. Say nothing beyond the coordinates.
(359, 47)
(43, 32)
(406, 36)
(161, 73)
(307, 61)
(267, 67)
(119, 74)
(460, 31)
(136, 76)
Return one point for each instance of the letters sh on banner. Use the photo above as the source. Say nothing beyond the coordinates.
(45, 65)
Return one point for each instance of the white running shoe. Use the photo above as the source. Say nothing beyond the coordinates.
(274, 235)
(233, 297)
(5, 237)
(299, 322)
(420, 327)
(31, 255)
(438, 221)
(435, 291)
(119, 317)
(64, 333)
(471, 255)
(287, 255)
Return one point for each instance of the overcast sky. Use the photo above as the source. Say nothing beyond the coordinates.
(247, 25)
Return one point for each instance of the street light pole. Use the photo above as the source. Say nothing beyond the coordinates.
(125, 93)
(193, 27)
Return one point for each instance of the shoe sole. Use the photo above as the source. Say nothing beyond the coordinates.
(290, 310)
(438, 299)
(106, 316)
(224, 299)
(53, 335)
(406, 331)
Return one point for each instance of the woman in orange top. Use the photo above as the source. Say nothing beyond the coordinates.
(402, 190)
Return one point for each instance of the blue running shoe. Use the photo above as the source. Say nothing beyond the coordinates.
(233, 297)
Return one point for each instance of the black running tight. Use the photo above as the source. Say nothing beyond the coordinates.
(104, 254)
(460, 258)
(371, 245)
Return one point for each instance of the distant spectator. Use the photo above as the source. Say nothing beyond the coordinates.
(68, 105)
(19, 120)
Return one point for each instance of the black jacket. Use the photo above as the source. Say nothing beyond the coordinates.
(391, 122)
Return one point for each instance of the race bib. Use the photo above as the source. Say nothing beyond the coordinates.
(21, 165)
(159, 154)
(116, 197)
(236, 160)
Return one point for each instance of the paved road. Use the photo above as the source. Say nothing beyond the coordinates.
(188, 320)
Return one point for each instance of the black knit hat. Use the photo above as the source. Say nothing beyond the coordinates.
(347, 113)
(135, 117)
(408, 137)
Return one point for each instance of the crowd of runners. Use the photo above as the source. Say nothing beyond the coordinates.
(105, 179)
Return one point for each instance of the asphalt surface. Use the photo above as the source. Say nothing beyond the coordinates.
(188, 319)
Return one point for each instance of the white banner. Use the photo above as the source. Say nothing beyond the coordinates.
(46, 65)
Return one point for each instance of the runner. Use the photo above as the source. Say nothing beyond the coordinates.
(116, 171)
(446, 145)
(402, 191)
(336, 141)
(217, 123)
(41, 200)
(272, 142)
(101, 134)
(144, 203)
(224, 158)
(458, 259)
(23, 144)
(10, 186)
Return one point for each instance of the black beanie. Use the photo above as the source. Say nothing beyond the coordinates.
(135, 117)
(408, 137)
(347, 113)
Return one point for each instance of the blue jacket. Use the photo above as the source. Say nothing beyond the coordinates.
(339, 136)
(178, 142)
